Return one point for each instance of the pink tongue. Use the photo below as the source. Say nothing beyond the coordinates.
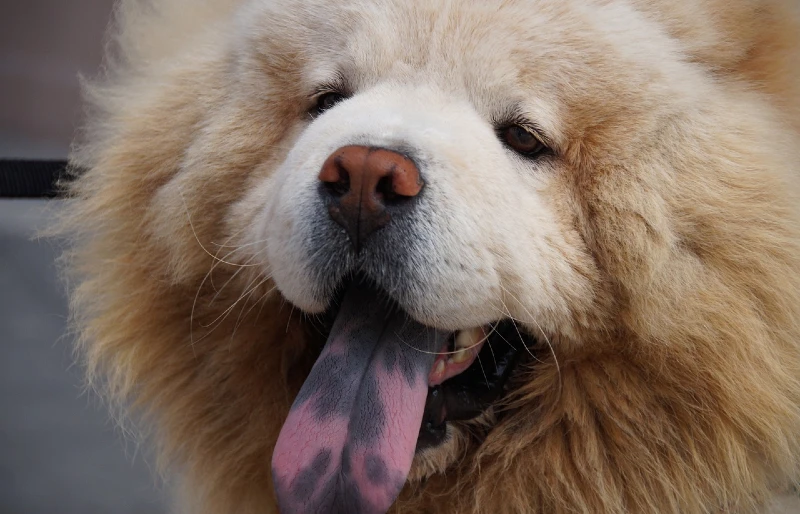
(348, 442)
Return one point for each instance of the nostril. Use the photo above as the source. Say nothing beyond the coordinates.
(386, 189)
(335, 176)
(364, 188)
(339, 187)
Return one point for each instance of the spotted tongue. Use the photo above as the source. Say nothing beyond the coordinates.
(348, 442)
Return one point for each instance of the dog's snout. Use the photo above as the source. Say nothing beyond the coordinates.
(364, 187)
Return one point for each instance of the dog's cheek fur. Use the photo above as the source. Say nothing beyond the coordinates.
(670, 413)
(166, 158)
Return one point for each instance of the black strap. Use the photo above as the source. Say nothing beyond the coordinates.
(21, 178)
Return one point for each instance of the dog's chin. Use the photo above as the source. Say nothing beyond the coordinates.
(470, 375)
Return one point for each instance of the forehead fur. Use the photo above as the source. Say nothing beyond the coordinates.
(574, 68)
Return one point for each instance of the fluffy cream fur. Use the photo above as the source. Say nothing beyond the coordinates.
(658, 251)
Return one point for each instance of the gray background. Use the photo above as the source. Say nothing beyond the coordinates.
(59, 451)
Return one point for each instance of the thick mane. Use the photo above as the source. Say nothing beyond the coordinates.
(693, 401)
(690, 399)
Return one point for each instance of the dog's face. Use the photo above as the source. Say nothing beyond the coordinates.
(440, 154)
(499, 112)
(452, 192)
(490, 233)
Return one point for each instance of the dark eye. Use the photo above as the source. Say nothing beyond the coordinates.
(522, 141)
(326, 101)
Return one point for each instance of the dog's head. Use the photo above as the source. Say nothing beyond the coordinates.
(451, 193)
(425, 201)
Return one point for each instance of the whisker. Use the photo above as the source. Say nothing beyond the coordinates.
(235, 274)
(514, 321)
(260, 300)
(486, 378)
(243, 315)
(289, 321)
(316, 323)
(485, 337)
(191, 225)
(500, 335)
(236, 325)
(216, 263)
(243, 295)
(489, 344)
(544, 335)
(191, 314)
(208, 276)
(263, 303)
(222, 317)
(238, 246)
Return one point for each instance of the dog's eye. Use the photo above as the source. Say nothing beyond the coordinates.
(522, 141)
(326, 101)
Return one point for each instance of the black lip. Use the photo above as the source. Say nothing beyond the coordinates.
(468, 394)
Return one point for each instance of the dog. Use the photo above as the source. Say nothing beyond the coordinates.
(528, 256)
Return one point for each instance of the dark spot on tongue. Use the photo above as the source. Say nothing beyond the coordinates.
(308, 479)
(376, 470)
(349, 439)
(397, 360)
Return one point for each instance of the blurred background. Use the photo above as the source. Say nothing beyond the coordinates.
(59, 452)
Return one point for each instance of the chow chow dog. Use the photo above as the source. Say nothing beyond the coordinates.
(525, 256)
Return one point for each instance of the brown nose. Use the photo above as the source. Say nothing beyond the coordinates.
(365, 186)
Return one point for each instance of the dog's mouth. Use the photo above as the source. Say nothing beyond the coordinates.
(477, 366)
(383, 387)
